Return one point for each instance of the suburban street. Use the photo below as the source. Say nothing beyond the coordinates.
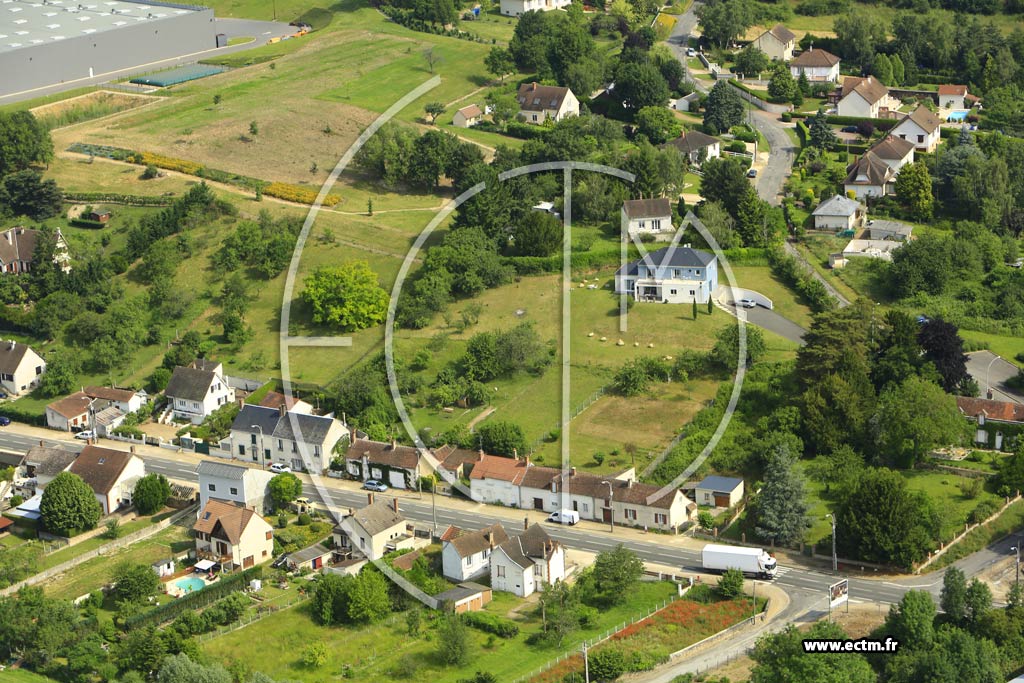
(992, 371)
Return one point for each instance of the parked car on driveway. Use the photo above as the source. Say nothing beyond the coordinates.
(849, 129)
(375, 485)
(84, 434)
(746, 303)
(278, 468)
(4, 420)
(752, 173)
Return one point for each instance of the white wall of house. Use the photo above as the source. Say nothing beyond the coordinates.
(817, 73)
(217, 395)
(855, 105)
(255, 546)
(373, 546)
(911, 132)
(676, 285)
(494, 491)
(460, 121)
(570, 107)
(55, 420)
(509, 577)
(26, 375)
(863, 191)
(652, 225)
(122, 489)
(458, 568)
(837, 223)
(773, 47)
(515, 8)
(631, 514)
(951, 102)
(249, 491)
(707, 496)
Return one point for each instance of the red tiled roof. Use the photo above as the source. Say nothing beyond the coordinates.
(71, 406)
(815, 57)
(952, 89)
(390, 454)
(496, 467)
(992, 410)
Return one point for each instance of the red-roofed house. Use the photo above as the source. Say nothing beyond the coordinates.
(952, 96)
(999, 423)
(467, 116)
(396, 465)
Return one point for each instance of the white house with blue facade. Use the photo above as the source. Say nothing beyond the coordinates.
(674, 275)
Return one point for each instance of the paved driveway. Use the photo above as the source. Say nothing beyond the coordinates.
(990, 370)
(769, 320)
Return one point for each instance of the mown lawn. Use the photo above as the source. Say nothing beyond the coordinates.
(274, 645)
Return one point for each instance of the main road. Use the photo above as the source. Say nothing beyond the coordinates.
(440, 511)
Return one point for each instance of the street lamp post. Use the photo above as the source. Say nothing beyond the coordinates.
(988, 385)
(611, 508)
(835, 559)
(263, 450)
(1016, 549)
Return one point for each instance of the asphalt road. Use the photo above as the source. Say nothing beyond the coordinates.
(780, 161)
(992, 371)
(262, 31)
(769, 320)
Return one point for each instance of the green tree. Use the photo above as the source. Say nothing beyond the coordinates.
(434, 109)
(640, 85)
(62, 371)
(821, 134)
(368, 600)
(893, 525)
(803, 85)
(151, 493)
(915, 417)
(616, 572)
(726, 351)
(607, 664)
(860, 33)
(284, 488)
(911, 620)
(781, 86)
(254, 129)
(504, 107)
(723, 109)
(751, 61)
(914, 190)
(141, 650)
(314, 655)
(537, 233)
(658, 124)
(731, 584)
(725, 182)
(942, 345)
(134, 582)
(23, 141)
(453, 640)
(68, 505)
(499, 63)
(898, 70)
(180, 668)
(25, 193)
(978, 602)
(780, 510)
(501, 438)
(348, 297)
(724, 21)
(780, 658)
(881, 68)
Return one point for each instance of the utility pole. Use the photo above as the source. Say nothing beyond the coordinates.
(586, 663)
(835, 559)
(611, 508)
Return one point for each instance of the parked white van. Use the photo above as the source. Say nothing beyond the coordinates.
(569, 517)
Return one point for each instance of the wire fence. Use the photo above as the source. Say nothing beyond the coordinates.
(252, 617)
(579, 408)
(597, 640)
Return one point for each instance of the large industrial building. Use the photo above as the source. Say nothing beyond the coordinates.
(46, 42)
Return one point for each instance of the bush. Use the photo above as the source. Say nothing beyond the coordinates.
(983, 511)
(786, 117)
(607, 664)
(736, 146)
(491, 623)
(304, 520)
(17, 500)
(731, 583)
(298, 194)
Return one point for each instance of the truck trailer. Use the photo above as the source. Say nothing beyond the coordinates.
(751, 561)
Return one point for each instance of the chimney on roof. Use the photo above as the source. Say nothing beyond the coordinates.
(490, 539)
(629, 483)
(369, 498)
(282, 409)
(394, 505)
(533, 86)
(13, 344)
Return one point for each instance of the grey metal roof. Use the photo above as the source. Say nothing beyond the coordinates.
(377, 517)
(189, 384)
(307, 554)
(837, 206)
(311, 429)
(251, 415)
(461, 592)
(11, 459)
(890, 227)
(679, 257)
(26, 23)
(49, 461)
(212, 468)
(717, 483)
(532, 543)
(11, 355)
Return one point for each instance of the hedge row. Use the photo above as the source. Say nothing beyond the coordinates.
(803, 133)
(170, 163)
(515, 129)
(83, 223)
(114, 198)
(192, 601)
(404, 17)
(19, 414)
(297, 193)
(491, 623)
(789, 271)
(15, 318)
(531, 265)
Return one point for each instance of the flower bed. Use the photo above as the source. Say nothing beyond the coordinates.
(650, 641)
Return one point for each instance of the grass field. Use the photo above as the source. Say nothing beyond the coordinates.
(94, 573)
(274, 644)
(22, 676)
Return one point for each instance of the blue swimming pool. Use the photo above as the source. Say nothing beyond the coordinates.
(958, 115)
(190, 584)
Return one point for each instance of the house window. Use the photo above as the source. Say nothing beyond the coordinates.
(469, 561)
(211, 487)
(316, 451)
(39, 369)
(280, 445)
(692, 293)
(270, 535)
(920, 138)
(266, 452)
(534, 117)
(264, 553)
(656, 224)
(536, 570)
(295, 447)
(501, 571)
(586, 508)
(252, 439)
(234, 491)
(660, 518)
(630, 514)
(672, 291)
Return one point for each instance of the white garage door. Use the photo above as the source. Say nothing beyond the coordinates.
(396, 479)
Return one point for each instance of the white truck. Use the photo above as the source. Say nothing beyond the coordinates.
(751, 561)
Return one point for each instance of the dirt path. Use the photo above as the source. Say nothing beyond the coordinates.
(481, 417)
